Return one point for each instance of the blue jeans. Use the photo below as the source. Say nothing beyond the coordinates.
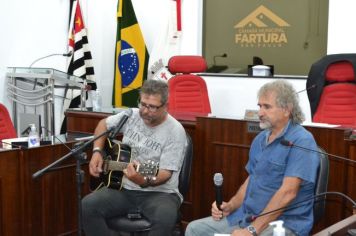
(208, 227)
(160, 208)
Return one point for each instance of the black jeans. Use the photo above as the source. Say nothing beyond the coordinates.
(160, 208)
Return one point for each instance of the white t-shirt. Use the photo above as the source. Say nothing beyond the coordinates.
(164, 143)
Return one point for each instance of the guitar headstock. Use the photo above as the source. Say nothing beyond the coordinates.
(148, 168)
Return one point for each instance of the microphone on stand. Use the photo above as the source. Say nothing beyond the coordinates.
(307, 89)
(114, 131)
(26, 131)
(218, 181)
(252, 218)
(291, 144)
(50, 132)
(50, 55)
(222, 55)
(215, 68)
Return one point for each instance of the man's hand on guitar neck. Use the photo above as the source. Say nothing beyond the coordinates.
(131, 173)
(95, 164)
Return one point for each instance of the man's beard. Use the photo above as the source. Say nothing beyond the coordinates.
(265, 124)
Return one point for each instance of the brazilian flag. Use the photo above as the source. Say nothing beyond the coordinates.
(131, 57)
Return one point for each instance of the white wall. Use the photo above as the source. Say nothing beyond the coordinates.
(32, 29)
(229, 97)
(342, 30)
(29, 30)
(35, 28)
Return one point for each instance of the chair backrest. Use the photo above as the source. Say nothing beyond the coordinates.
(7, 129)
(332, 100)
(321, 185)
(337, 105)
(184, 175)
(188, 92)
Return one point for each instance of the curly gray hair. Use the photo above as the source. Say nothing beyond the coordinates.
(286, 97)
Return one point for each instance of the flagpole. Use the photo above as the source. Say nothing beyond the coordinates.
(80, 65)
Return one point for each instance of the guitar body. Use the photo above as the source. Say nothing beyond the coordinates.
(117, 157)
(116, 152)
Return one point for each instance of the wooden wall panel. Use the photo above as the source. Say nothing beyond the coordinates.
(43, 206)
(10, 205)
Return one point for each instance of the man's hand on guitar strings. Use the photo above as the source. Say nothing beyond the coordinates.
(95, 165)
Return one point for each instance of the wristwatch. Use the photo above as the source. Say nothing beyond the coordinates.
(252, 230)
(98, 149)
(148, 181)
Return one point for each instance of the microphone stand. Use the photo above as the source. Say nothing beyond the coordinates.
(44, 57)
(215, 68)
(78, 152)
(302, 202)
(325, 153)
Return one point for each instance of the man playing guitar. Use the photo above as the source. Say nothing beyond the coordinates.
(153, 135)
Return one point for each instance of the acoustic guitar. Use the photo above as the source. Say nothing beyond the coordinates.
(117, 157)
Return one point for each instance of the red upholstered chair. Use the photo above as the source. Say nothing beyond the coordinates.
(187, 91)
(7, 129)
(336, 103)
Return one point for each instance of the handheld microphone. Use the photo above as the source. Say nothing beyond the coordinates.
(307, 89)
(218, 181)
(114, 131)
(252, 218)
(291, 144)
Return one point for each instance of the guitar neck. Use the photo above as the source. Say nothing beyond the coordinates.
(114, 165)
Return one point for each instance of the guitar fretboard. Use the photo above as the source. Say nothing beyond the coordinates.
(114, 165)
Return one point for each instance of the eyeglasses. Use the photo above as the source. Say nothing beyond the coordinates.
(150, 108)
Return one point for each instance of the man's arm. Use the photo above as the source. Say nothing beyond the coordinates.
(285, 195)
(162, 176)
(234, 203)
(96, 160)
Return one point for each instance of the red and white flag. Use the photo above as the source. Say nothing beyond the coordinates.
(80, 63)
(167, 44)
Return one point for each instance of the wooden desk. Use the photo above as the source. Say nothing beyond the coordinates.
(340, 228)
(222, 145)
(43, 206)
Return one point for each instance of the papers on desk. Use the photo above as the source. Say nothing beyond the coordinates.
(7, 143)
(251, 115)
(84, 138)
(119, 109)
(353, 135)
(313, 124)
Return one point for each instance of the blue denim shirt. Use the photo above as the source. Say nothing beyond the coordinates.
(268, 164)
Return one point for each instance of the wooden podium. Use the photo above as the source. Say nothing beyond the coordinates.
(33, 91)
